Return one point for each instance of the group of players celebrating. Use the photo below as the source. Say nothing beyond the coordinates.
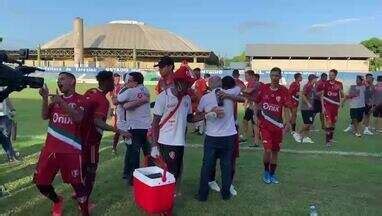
(76, 122)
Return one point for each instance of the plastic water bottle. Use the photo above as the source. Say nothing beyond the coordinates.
(313, 210)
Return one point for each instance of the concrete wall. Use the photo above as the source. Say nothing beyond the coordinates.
(310, 65)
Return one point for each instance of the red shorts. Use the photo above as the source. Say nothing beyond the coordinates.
(49, 163)
(272, 137)
(331, 112)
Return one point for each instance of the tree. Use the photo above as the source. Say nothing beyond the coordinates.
(375, 45)
(239, 58)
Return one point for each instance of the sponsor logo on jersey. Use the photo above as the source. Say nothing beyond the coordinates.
(61, 119)
(271, 107)
(332, 94)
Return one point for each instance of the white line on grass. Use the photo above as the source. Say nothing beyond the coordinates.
(328, 152)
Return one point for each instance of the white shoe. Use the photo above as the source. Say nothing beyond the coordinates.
(307, 140)
(232, 190)
(297, 137)
(366, 131)
(349, 128)
(358, 134)
(214, 186)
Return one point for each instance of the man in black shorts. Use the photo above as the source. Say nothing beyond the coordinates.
(307, 109)
(317, 104)
(356, 97)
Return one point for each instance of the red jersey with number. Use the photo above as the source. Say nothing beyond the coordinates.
(294, 89)
(271, 103)
(165, 82)
(97, 106)
(64, 135)
(332, 92)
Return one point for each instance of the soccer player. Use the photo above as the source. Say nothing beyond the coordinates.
(252, 88)
(113, 95)
(294, 91)
(332, 94)
(356, 96)
(307, 109)
(317, 99)
(272, 101)
(63, 144)
(97, 107)
(238, 82)
(200, 88)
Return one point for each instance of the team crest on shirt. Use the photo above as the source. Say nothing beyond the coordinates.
(278, 99)
(75, 173)
(171, 154)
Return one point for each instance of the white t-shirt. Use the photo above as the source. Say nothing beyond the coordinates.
(173, 131)
(219, 127)
(359, 100)
(138, 118)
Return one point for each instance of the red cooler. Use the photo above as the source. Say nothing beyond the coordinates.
(154, 189)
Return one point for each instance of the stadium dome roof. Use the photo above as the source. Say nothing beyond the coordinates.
(126, 34)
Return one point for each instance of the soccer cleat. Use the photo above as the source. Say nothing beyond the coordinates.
(214, 186)
(366, 131)
(307, 140)
(296, 137)
(349, 128)
(274, 179)
(57, 207)
(232, 190)
(266, 177)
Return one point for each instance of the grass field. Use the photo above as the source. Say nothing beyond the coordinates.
(339, 185)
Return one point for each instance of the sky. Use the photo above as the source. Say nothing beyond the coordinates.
(224, 27)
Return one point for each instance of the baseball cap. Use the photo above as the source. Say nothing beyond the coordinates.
(164, 61)
(312, 77)
(183, 74)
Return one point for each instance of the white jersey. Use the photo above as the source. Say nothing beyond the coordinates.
(173, 132)
(220, 127)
